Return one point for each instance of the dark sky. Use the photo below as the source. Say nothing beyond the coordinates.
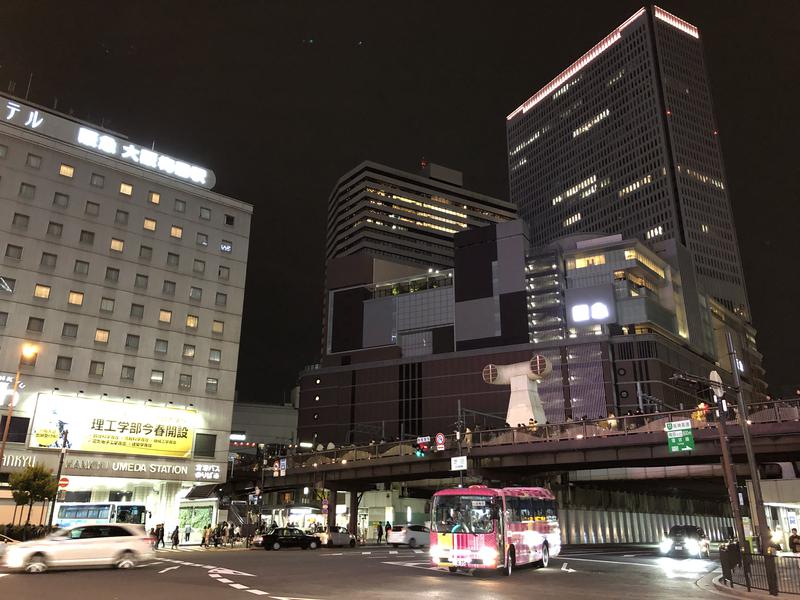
(281, 98)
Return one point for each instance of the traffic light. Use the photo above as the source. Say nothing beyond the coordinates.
(421, 449)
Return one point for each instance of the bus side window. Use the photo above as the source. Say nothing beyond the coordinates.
(551, 510)
(512, 507)
(527, 509)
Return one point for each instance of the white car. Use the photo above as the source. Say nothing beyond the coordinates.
(409, 535)
(119, 545)
(336, 536)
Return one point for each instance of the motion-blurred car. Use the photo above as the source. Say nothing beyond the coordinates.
(289, 537)
(409, 535)
(336, 536)
(119, 545)
(685, 540)
(5, 543)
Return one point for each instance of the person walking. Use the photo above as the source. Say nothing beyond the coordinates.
(160, 536)
(187, 531)
(176, 537)
(207, 535)
(388, 530)
(380, 532)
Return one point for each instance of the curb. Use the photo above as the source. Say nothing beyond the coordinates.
(739, 591)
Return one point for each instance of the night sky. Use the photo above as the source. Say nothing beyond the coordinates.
(281, 98)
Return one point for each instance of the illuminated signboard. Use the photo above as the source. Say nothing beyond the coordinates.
(35, 119)
(113, 427)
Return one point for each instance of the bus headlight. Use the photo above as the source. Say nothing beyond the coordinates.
(666, 545)
(488, 555)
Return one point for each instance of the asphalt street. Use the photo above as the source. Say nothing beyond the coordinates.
(371, 572)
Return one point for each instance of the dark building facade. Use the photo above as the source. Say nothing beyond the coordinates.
(625, 141)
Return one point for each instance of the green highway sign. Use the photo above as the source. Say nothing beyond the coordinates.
(679, 436)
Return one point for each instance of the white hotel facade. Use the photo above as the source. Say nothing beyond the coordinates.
(128, 273)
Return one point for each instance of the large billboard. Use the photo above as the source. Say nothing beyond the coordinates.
(113, 427)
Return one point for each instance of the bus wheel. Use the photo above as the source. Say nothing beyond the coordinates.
(453, 569)
(545, 557)
(509, 566)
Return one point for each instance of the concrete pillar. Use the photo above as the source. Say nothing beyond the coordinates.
(332, 493)
(353, 525)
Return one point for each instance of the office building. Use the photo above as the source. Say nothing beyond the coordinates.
(625, 141)
(127, 272)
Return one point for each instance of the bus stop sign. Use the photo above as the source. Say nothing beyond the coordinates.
(679, 436)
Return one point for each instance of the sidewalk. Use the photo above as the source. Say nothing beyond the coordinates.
(712, 582)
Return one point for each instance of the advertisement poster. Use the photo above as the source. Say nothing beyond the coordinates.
(113, 427)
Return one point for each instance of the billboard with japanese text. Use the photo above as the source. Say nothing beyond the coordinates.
(113, 427)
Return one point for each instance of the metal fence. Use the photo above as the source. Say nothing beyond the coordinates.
(754, 567)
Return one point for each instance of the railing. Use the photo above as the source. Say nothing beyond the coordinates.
(754, 567)
(611, 426)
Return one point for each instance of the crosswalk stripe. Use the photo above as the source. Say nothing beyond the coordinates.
(238, 586)
(392, 551)
(418, 551)
(257, 592)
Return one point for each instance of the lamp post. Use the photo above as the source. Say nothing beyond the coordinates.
(28, 352)
(64, 444)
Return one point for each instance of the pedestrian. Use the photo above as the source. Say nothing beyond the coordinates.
(160, 536)
(388, 530)
(187, 531)
(207, 535)
(379, 532)
(153, 536)
(176, 537)
(794, 541)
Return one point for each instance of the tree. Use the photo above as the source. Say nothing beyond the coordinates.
(20, 499)
(37, 483)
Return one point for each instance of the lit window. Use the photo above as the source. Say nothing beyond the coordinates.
(176, 232)
(41, 291)
(126, 189)
(150, 224)
(66, 170)
(192, 321)
(704, 228)
(97, 368)
(215, 355)
(101, 336)
(34, 161)
(572, 220)
(226, 246)
(157, 377)
(184, 381)
(81, 267)
(188, 351)
(97, 180)
(217, 327)
(212, 385)
(75, 298)
(165, 316)
(117, 245)
(154, 197)
(590, 261)
(196, 293)
(127, 373)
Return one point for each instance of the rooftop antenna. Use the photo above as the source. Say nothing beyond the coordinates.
(30, 80)
(12, 85)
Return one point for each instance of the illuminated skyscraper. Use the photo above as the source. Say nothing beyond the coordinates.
(625, 141)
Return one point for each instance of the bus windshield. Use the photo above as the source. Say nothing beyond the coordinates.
(462, 514)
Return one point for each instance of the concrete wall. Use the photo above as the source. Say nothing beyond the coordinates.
(579, 526)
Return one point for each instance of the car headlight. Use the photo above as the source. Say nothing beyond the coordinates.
(488, 555)
(693, 546)
(666, 545)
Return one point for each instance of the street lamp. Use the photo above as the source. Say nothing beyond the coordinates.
(28, 352)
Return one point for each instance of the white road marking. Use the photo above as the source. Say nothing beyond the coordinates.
(168, 569)
(566, 569)
(628, 555)
(4, 574)
(334, 554)
(392, 551)
(215, 575)
(366, 553)
(418, 551)
(257, 592)
(223, 571)
(223, 580)
(238, 586)
(152, 564)
(616, 562)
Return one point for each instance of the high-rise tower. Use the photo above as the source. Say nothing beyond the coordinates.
(625, 141)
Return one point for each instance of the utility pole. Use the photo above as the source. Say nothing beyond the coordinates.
(763, 536)
(64, 441)
(459, 434)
